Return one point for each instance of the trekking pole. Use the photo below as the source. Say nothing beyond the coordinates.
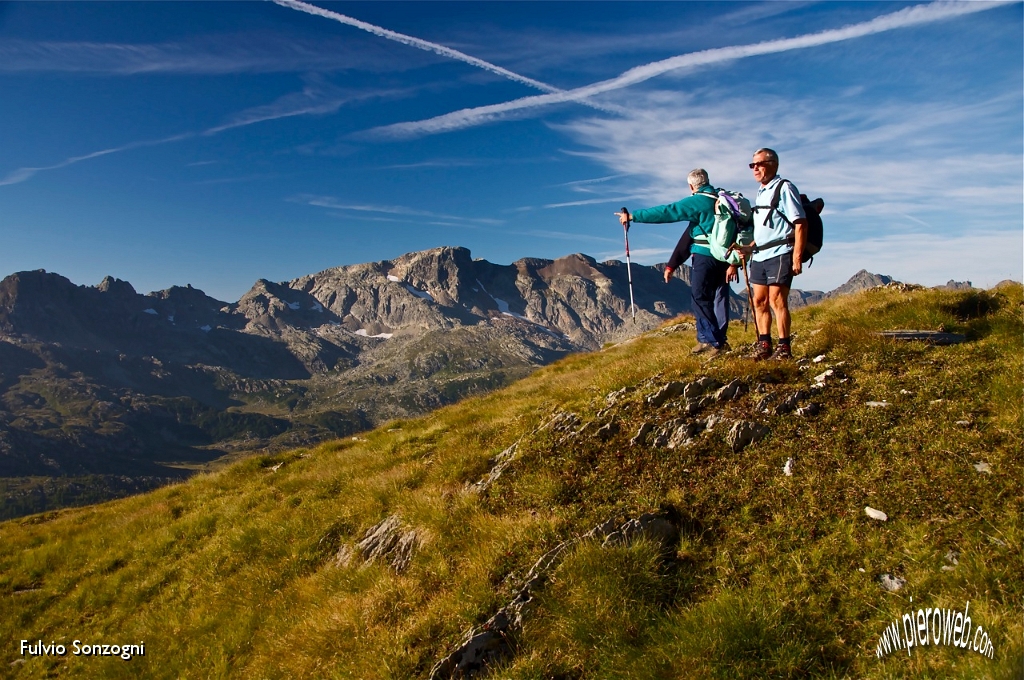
(746, 279)
(629, 271)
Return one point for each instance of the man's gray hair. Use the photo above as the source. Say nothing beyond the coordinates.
(698, 177)
(772, 156)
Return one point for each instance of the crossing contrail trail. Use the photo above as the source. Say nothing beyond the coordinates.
(428, 47)
(911, 16)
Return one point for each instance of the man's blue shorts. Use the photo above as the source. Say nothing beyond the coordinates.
(778, 271)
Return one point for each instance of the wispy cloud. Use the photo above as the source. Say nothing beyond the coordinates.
(332, 203)
(900, 154)
(205, 55)
(982, 257)
(586, 185)
(22, 174)
(316, 98)
(595, 201)
(468, 117)
(426, 45)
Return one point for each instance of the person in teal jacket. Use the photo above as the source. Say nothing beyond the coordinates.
(709, 277)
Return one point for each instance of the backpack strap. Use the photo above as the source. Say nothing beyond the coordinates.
(702, 239)
(788, 240)
(774, 206)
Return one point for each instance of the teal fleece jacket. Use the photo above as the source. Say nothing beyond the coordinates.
(698, 208)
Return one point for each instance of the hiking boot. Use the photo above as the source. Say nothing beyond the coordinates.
(762, 350)
(702, 347)
(781, 353)
(721, 350)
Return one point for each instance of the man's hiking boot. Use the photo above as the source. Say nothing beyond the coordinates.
(762, 350)
(702, 347)
(781, 353)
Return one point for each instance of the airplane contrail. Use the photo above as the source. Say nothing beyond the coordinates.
(463, 118)
(428, 47)
(22, 174)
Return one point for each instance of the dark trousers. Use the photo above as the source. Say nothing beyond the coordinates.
(710, 295)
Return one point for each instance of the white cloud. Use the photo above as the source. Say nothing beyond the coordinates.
(469, 117)
(907, 165)
(983, 257)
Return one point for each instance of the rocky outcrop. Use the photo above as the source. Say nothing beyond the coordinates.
(496, 638)
(497, 465)
(388, 542)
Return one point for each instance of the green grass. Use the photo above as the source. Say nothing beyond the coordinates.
(232, 574)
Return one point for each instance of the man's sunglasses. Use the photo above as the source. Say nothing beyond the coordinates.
(760, 164)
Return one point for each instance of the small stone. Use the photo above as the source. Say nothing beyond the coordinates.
(683, 436)
(811, 409)
(952, 557)
(906, 393)
(613, 397)
(983, 467)
(669, 391)
(733, 390)
(822, 377)
(788, 404)
(933, 402)
(892, 583)
(787, 469)
(700, 386)
(641, 436)
(963, 423)
(876, 404)
(608, 431)
(764, 403)
(818, 359)
(713, 420)
(744, 433)
(861, 569)
(875, 514)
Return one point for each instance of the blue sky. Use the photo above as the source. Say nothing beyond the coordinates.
(215, 143)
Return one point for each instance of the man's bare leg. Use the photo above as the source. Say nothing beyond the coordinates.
(762, 311)
(779, 301)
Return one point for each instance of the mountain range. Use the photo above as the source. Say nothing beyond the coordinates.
(106, 391)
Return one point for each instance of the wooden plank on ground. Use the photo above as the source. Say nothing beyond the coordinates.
(931, 337)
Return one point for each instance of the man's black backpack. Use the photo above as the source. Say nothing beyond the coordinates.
(815, 229)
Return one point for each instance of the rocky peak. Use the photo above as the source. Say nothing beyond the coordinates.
(862, 280)
(445, 273)
(116, 287)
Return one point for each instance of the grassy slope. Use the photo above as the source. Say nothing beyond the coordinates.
(232, 574)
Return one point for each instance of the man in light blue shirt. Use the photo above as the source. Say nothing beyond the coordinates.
(780, 231)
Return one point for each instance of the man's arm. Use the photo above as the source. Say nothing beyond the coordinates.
(682, 210)
(791, 207)
(800, 237)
